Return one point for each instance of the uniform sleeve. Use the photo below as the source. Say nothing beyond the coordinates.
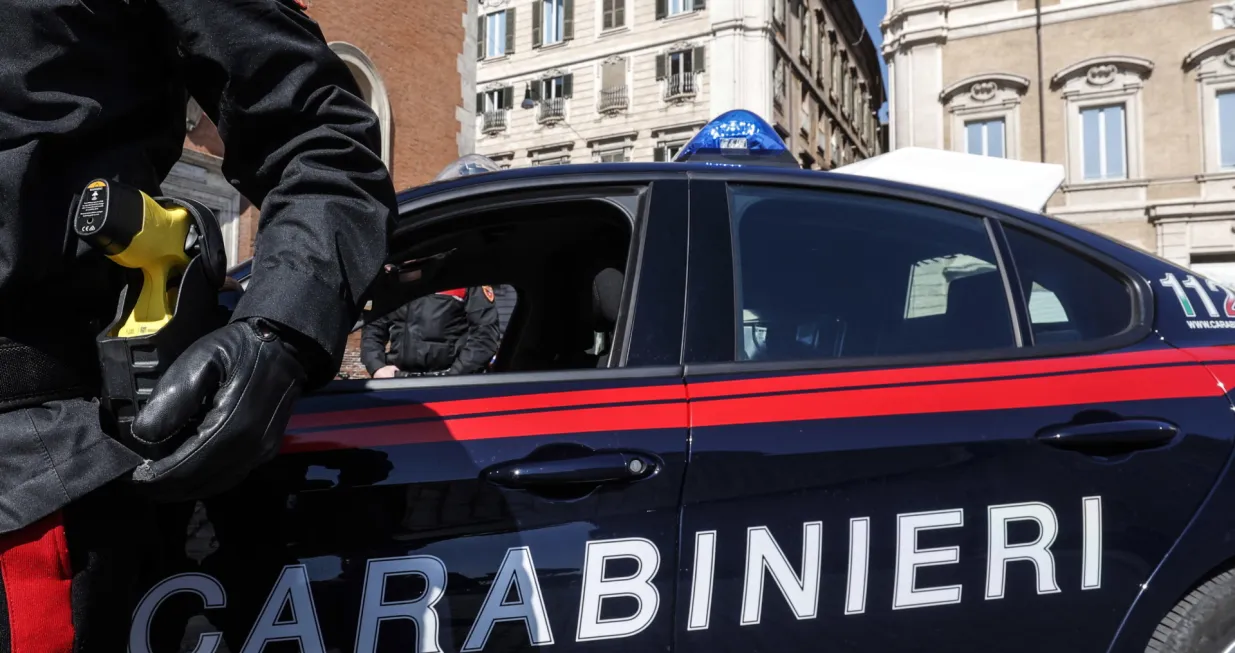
(482, 334)
(373, 339)
(301, 144)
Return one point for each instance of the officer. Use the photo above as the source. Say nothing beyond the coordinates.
(450, 332)
(98, 88)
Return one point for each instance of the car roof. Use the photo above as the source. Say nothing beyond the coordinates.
(503, 180)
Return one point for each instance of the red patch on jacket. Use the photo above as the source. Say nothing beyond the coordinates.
(458, 293)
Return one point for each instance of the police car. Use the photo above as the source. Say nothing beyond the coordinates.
(746, 407)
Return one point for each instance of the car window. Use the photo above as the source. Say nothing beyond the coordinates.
(1071, 299)
(829, 275)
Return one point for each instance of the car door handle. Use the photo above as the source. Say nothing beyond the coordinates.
(1119, 436)
(588, 469)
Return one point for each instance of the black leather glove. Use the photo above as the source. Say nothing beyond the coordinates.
(245, 378)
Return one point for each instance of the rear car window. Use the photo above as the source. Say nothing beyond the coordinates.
(830, 275)
(1071, 299)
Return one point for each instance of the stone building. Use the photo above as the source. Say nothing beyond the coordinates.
(1136, 98)
(415, 64)
(562, 81)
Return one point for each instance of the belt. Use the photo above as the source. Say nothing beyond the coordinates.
(33, 374)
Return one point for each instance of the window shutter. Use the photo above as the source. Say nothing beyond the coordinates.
(537, 23)
(698, 59)
(536, 90)
(480, 103)
(699, 4)
(660, 154)
(481, 34)
(510, 31)
(660, 66)
(508, 97)
(619, 13)
(662, 9)
(568, 22)
(568, 85)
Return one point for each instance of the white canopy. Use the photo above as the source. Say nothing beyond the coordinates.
(1023, 184)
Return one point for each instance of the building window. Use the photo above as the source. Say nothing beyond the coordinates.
(1103, 113)
(552, 93)
(678, 70)
(552, 21)
(780, 87)
(984, 137)
(612, 155)
(981, 104)
(834, 65)
(613, 88)
(1214, 67)
(1104, 138)
(668, 151)
(666, 8)
(498, 39)
(1226, 129)
(613, 14)
(804, 39)
(779, 9)
(492, 107)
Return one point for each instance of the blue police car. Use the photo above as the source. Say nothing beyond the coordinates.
(746, 407)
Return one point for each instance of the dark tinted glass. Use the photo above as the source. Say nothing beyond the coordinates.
(1071, 299)
(826, 275)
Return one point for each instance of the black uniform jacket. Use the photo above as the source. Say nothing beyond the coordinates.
(455, 331)
(98, 88)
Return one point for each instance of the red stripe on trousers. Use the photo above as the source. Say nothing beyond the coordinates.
(34, 567)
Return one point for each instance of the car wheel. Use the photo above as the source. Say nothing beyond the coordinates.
(1203, 622)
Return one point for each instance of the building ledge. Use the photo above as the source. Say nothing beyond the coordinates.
(1082, 186)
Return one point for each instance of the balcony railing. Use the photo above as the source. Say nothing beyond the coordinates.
(614, 99)
(494, 121)
(679, 87)
(552, 110)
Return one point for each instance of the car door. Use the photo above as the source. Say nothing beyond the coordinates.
(901, 443)
(499, 512)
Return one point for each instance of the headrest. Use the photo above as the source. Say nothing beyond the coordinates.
(606, 298)
(981, 294)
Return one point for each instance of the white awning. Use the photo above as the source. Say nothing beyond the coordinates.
(1023, 184)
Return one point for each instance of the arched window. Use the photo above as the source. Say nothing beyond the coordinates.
(372, 89)
(985, 114)
(1103, 104)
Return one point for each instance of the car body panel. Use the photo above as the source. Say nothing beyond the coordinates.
(756, 453)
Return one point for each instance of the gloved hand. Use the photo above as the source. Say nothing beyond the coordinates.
(246, 378)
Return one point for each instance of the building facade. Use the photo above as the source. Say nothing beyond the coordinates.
(570, 81)
(1135, 98)
(415, 65)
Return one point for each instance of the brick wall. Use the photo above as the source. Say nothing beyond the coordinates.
(415, 47)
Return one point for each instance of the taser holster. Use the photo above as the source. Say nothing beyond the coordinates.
(153, 325)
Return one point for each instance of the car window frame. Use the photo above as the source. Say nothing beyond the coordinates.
(653, 217)
(1141, 295)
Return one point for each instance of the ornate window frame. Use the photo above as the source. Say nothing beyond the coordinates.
(989, 96)
(1098, 82)
(1214, 64)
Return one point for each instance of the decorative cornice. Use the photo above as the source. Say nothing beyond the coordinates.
(985, 86)
(1102, 70)
(1217, 46)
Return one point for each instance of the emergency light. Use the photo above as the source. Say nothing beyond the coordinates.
(471, 164)
(737, 138)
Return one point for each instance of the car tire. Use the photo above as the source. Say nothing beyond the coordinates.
(1203, 622)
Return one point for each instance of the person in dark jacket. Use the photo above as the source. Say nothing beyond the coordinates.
(450, 332)
(98, 89)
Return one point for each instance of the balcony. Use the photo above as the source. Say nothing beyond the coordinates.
(494, 122)
(614, 99)
(680, 87)
(552, 110)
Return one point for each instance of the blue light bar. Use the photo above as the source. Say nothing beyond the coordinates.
(472, 164)
(738, 138)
